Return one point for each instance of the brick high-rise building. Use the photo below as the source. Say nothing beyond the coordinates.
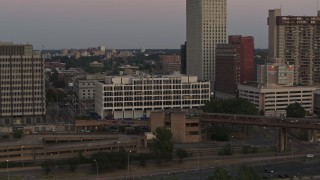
(295, 39)
(206, 27)
(22, 89)
(234, 65)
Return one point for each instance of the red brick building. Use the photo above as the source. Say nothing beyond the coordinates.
(234, 65)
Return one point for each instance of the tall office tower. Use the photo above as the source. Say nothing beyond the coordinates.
(183, 52)
(206, 27)
(295, 39)
(22, 90)
(234, 65)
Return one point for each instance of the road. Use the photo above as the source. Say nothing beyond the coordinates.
(187, 170)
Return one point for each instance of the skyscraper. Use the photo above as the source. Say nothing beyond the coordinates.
(295, 39)
(22, 90)
(206, 27)
(237, 59)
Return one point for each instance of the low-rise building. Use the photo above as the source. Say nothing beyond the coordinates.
(273, 100)
(134, 97)
(96, 64)
(171, 63)
(185, 127)
(85, 87)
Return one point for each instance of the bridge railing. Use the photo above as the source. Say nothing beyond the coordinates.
(261, 120)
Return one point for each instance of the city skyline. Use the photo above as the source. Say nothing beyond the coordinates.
(133, 24)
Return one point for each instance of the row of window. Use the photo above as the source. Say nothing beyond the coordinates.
(154, 103)
(141, 87)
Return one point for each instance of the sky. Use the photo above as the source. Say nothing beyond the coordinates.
(119, 24)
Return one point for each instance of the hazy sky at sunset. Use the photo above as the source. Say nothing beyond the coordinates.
(127, 23)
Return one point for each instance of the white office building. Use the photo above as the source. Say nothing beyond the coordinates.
(273, 100)
(134, 97)
(206, 27)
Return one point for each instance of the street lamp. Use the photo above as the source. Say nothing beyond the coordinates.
(291, 149)
(8, 169)
(129, 164)
(22, 155)
(231, 144)
(97, 168)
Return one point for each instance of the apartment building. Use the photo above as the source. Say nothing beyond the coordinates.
(135, 97)
(206, 27)
(22, 88)
(295, 39)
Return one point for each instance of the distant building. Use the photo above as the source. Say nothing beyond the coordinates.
(170, 63)
(128, 70)
(206, 27)
(135, 97)
(96, 64)
(22, 92)
(234, 65)
(185, 127)
(125, 54)
(275, 74)
(295, 39)
(53, 65)
(85, 87)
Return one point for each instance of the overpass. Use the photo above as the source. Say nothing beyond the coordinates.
(280, 122)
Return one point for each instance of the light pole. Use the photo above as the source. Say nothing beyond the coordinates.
(231, 144)
(8, 169)
(95, 161)
(129, 164)
(291, 149)
(22, 155)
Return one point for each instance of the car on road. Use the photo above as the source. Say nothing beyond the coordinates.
(266, 170)
(310, 156)
(283, 176)
(267, 176)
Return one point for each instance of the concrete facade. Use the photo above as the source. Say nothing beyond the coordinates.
(206, 27)
(295, 39)
(273, 100)
(85, 87)
(185, 128)
(22, 88)
(134, 97)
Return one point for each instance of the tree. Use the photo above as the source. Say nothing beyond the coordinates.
(295, 110)
(48, 166)
(231, 106)
(220, 174)
(162, 145)
(181, 153)
(17, 134)
(73, 163)
(247, 173)
(109, 160)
